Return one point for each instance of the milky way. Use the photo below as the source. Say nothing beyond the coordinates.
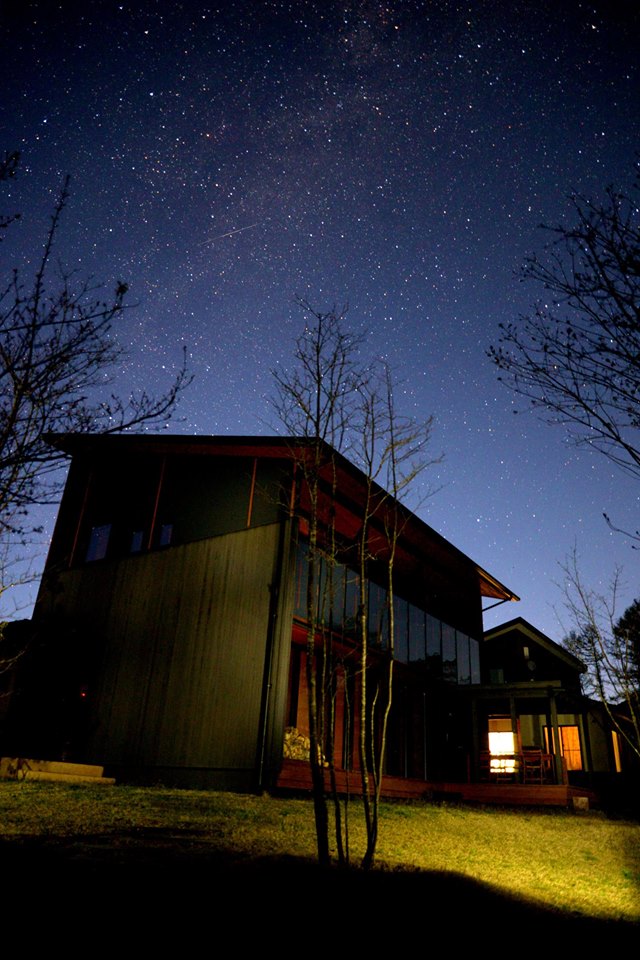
(395, 157)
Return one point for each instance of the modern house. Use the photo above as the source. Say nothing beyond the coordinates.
(171, 629)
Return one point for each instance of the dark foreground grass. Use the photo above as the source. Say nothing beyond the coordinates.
(246, 862)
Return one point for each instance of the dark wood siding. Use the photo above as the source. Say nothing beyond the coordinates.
(183, 635)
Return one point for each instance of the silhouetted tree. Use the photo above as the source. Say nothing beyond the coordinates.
(627, 633)
(331, 397)
(58, 348)
(315, 401)
(393, 452)
(576, 358)
(610, 649)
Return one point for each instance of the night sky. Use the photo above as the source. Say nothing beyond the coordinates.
(397, 157)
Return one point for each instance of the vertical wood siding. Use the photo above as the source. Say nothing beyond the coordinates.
(183, 634)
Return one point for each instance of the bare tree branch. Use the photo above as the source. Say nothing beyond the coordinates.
(576, 358)
(609, 646)
(58, 350)
(8, 167)
(337, 402)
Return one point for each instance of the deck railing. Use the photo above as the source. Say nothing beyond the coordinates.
(529, 766)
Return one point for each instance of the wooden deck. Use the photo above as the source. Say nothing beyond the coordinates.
(296, 775)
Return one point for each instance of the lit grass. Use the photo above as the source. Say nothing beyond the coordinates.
(581, 863)
(585, 864)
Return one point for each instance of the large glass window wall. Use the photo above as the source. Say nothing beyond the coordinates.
(419, 637)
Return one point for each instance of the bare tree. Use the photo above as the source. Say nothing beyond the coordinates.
(393, 451)
(315, 402)
(337, 403)
(576, 358)
(609, 646)
(58, 350)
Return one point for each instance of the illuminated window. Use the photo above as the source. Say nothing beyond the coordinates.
(571, 752)
(569, 745)
(502, 745)
(615, 736)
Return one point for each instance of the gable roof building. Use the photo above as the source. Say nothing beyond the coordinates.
(534, 684)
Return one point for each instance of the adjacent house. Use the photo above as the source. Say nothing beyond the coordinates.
(531, 704)
(170, 630)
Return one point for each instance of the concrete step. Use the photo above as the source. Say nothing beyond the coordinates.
(67, 778)
(21, 768)
(60, 766)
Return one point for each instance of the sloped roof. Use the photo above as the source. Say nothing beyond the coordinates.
(416, 532)
(526, 629)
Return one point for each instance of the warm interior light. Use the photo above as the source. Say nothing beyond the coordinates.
(502, 749)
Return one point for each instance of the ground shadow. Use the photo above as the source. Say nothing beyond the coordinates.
(156, 885)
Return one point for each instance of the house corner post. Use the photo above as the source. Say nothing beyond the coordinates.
(276, 662)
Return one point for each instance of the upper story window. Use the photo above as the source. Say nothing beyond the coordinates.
(166, 534)
(419, 638)
(154, 501)
(137, 541)
(98, 542)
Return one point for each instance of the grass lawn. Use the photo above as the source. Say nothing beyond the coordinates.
(566, 865)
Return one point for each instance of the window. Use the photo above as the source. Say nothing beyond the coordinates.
(474, 652)
(434, 646)
(419, 638)
(98, 542)
(166, 533)
(416, 635)
(378, 616)
(502, 745)
(570, 737)
(615, 736)
(335, 595)
(351, 601)
(401, 630)
(137, 539)
(302, 576)
(449, 659)
(464, 661)
(569, 745)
